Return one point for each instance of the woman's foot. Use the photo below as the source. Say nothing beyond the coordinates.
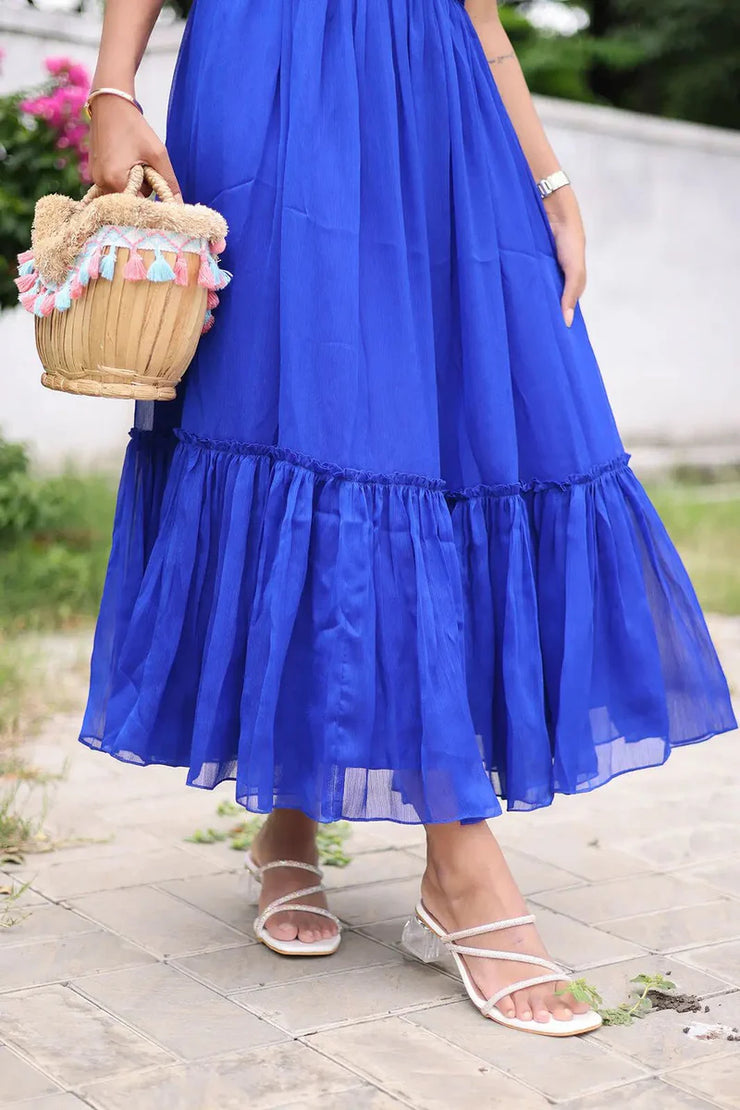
(467, 882)
(289, 834)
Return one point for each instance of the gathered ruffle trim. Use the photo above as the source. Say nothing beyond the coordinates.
(367, 477)
(368, 650)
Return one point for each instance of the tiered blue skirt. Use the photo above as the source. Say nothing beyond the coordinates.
(384, 557)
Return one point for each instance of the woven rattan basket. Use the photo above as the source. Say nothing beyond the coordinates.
(122, 288)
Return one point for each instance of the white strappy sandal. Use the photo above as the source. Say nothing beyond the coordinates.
(424, 938)
(324, 947)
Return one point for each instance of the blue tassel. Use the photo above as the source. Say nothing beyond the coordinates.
(83, 275)
(63, 299)
(37, 304)
(160, 269)
(108, 264)
(26, 268)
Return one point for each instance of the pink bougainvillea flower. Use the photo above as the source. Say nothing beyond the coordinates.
(79, 76)
(55, 66)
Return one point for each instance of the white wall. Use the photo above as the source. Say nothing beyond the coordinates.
(661, 206)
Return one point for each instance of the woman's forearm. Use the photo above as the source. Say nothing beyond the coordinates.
(513, 87)
(127, 27)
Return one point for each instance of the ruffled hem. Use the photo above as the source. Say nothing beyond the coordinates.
(374, 647)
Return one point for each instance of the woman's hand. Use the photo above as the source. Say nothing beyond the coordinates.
(570, 242)
(120, 138)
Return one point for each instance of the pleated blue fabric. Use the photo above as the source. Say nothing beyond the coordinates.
(385, 557)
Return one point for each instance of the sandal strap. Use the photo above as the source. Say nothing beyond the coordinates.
(537, 981)
(273, 908)
(494, 927)
(515, 957)
(273, 864)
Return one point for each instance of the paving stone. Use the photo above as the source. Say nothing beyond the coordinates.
(558, 1068)
(413, 1064)
(658, 1041)
(718, 959)
(680, 928)
(54, 961)
(564, 845)
(677, 846)
(66, 878)
(613, 981)
(374, 867)
(61, 1101)
(357, 1098)
(373, 836)
(158, 922)
(253, 966)
(311, 1004)
(386, 932)
(363, 905)
(44, 921)
(10, 880)
(266, 1079)
(723, 876)
(638, 894)
(533, 875)
(223, 896)
(648, 1094)
(70, 1038)
(579, 946)
(719, 1080)
(183, 1016)
(20, 1080)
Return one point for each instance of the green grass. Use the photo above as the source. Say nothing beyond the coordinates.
(52, 575)
(704, 523)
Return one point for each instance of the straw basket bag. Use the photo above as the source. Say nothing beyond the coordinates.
(121, 288)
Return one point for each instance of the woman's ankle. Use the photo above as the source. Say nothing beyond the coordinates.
(463, 860)
(288, 832)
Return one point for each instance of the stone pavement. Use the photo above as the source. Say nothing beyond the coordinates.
(135, 982)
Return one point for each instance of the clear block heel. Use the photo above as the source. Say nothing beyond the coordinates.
(421, 942)
(249, 887)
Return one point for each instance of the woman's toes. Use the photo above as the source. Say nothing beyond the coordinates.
(283, 930)
(540, 1009)
(507, 1007)
(523, 1006)
(559, 1010)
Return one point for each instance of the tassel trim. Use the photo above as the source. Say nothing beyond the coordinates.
(98, 261)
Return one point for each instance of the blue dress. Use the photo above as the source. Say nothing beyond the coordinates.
(385, 556)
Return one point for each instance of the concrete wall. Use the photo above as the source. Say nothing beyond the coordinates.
(660, 203)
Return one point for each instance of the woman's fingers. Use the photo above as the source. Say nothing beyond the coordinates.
(575, 283)
(160, 161)
(121, 138)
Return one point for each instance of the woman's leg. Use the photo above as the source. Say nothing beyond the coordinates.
(289, 834)
(467, 882)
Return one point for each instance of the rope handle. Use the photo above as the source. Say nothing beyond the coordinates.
(137, 175)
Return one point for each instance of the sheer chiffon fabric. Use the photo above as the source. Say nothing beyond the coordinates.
(384, 557)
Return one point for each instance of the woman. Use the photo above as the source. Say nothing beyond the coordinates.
(384, 558)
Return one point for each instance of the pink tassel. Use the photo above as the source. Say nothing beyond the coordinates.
(47, 305)
(212, 300)
(28, 300)
(94, 264)
(134, 270)
(26, 282)
(181, 269)
(208, 323)
(218, 246)
(205, 274)
(76, 288)
(27, 256)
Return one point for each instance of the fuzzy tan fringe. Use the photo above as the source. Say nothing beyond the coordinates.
(62, 226)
